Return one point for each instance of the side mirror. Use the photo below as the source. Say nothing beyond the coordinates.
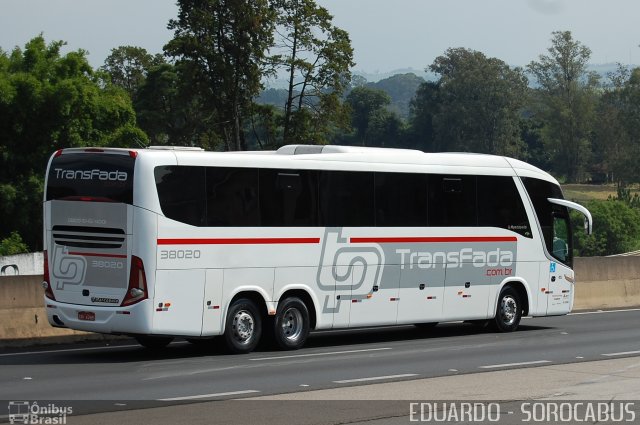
(588, 220)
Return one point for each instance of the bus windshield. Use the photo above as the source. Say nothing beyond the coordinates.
(553, 218)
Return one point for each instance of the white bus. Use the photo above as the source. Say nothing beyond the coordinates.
(166, 242)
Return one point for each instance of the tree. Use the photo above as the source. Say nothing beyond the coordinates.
(49, 101)
(423, 108)
(168, 109)
(220, 46)
(566, 103)
(474, 106)
(13, 245)
(617, 128)
(128, 67)
(317, 57)
(386, 129)
(365, 103)
(618, 229)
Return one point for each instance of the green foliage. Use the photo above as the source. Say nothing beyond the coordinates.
(13, 245)
(317, 57)
(473, 107)
(220, 47)
(401, 88)
(128, 67)
(265, 126)
(616, 229)
(170, 113)
(565, 101)
(617, 128)
(366, 103)
(49, 101)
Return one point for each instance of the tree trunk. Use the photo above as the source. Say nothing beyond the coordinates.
(289, 105)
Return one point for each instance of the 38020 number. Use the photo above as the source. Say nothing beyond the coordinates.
(179, 254)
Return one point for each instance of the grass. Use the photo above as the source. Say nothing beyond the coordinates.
(591, 192)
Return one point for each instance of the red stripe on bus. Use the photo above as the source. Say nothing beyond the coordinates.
(240, 241)
(436, 239)
(95, 254)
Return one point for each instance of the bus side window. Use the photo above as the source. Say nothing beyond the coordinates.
(401, 200)
(232, 197)
(181, 191)
(346, 198)
(500, 205)
(452, 201)
(288, 197)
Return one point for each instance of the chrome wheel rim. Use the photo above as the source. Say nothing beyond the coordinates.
(508, 310)
(292, 324)
(243, 326)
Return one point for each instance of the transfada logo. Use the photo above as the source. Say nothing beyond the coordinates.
(68, 269)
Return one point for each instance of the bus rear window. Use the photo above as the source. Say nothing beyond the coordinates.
(96, 177)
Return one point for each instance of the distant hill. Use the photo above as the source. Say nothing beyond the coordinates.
(374, 77)
(400, 84)
(401, 88)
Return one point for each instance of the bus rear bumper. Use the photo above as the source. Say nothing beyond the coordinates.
(134, 319)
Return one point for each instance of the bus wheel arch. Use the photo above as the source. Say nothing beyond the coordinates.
(523, 292)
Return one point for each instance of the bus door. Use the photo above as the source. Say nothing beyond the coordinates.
(560, 282)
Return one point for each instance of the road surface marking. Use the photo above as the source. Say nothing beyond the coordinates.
(375, 378)
(194, 397)
(621, 354)
(69, 350)
(603, 311)
(495, 366)
(331, 353)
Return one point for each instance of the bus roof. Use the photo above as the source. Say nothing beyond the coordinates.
(335, 157)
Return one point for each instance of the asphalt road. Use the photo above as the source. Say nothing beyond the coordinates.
(122, 373)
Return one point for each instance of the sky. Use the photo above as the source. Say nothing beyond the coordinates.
(386, 34)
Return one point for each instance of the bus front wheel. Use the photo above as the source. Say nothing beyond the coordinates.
(291, 324)
(509, 311)
(244, 326)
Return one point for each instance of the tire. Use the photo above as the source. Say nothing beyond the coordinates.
(154, 342)
(425, 326)
(243, 327)
(509, 311)
(291, 325)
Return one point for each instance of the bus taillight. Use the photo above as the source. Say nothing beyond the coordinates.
(137, 290)
(46, 282)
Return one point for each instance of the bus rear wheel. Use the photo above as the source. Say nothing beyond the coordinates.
(154, 342)
(509, 311)
(291, 324)
(244, 326)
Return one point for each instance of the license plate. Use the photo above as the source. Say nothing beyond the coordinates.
(86, 315)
